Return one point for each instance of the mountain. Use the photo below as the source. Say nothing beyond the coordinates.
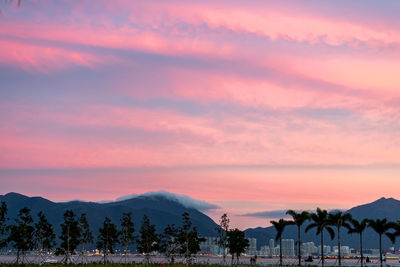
(160, 209)
(382, 208)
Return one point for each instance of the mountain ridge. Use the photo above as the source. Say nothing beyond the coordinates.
(163, 210)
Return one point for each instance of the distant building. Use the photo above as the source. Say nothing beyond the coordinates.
(288, 248)
(308, 249)
(272, 247)
(252, 249)
(327, 249)
(264, 251)
(209, 246)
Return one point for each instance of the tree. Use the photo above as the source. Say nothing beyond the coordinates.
(3, 224)
(169, 243)
(86, 236)
(393, 235)
(188, 238)
(194, 241)
(298, 219)
(339, 219)
(380, 227)
(321, 222)
(108, 238)
(359, 227)
(279, 228)
(127, 230)
(184, 235)
(237, 243)
(149, 240)
(70, 235)
(44, 235)
(222, 230)
(22, 232)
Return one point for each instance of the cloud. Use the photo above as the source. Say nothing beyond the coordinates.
(273, 214)
(268, 214)
(186, 201)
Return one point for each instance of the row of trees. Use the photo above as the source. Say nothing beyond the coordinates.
(322, 220)
(25, 235)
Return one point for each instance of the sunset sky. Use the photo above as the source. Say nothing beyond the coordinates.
(249, 105)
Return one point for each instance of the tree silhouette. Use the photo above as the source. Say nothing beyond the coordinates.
(279, 228)
(380, 227)
(70, 235)
(321, 222)
(22, 232)
(299, 218)
(222, 240)
(44, 235)
(339, 219)
(127, 230)
(3, 224)
(170, 243)
(393, 235)
(108, 238)
(148, 240)
(86, 237)
(188, 238)
(237, 243)
(358, 227)
(184, 235)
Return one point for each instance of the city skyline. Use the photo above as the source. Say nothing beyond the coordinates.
(255, 106)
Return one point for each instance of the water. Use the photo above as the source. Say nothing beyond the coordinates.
(245, 260)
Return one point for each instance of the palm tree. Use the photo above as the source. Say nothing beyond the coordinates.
(396, 227)
(279, 227)
(321, 222)
(359, 227)
(298, 219)
(339, 219)
(380, 227)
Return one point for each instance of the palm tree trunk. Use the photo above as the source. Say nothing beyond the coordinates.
(380, 249)
(280, 251)
(299, 246)
(339, 250)
(361, 250)
(322, 248)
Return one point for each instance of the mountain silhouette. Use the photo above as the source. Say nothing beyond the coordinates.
(160, 210)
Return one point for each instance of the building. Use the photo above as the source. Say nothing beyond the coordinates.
(252, 249)
(264, 251)
(308, 249)
(210, 246)
(272, 247)
(288, 248)
(327, 249)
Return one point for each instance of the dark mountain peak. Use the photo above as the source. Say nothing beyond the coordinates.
(14, 195)
(384, 202)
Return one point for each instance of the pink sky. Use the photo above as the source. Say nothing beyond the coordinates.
(253, 106)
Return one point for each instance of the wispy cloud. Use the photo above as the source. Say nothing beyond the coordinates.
(184, 200)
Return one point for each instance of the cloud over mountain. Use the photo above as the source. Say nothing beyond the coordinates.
(186, 201)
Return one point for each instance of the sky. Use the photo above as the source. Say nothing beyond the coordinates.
(252, 106)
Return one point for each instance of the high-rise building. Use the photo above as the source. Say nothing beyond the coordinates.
(264, 251)
(252, 249)
(307, 249)
(327, 249)
(272, 247)
(288, 247)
